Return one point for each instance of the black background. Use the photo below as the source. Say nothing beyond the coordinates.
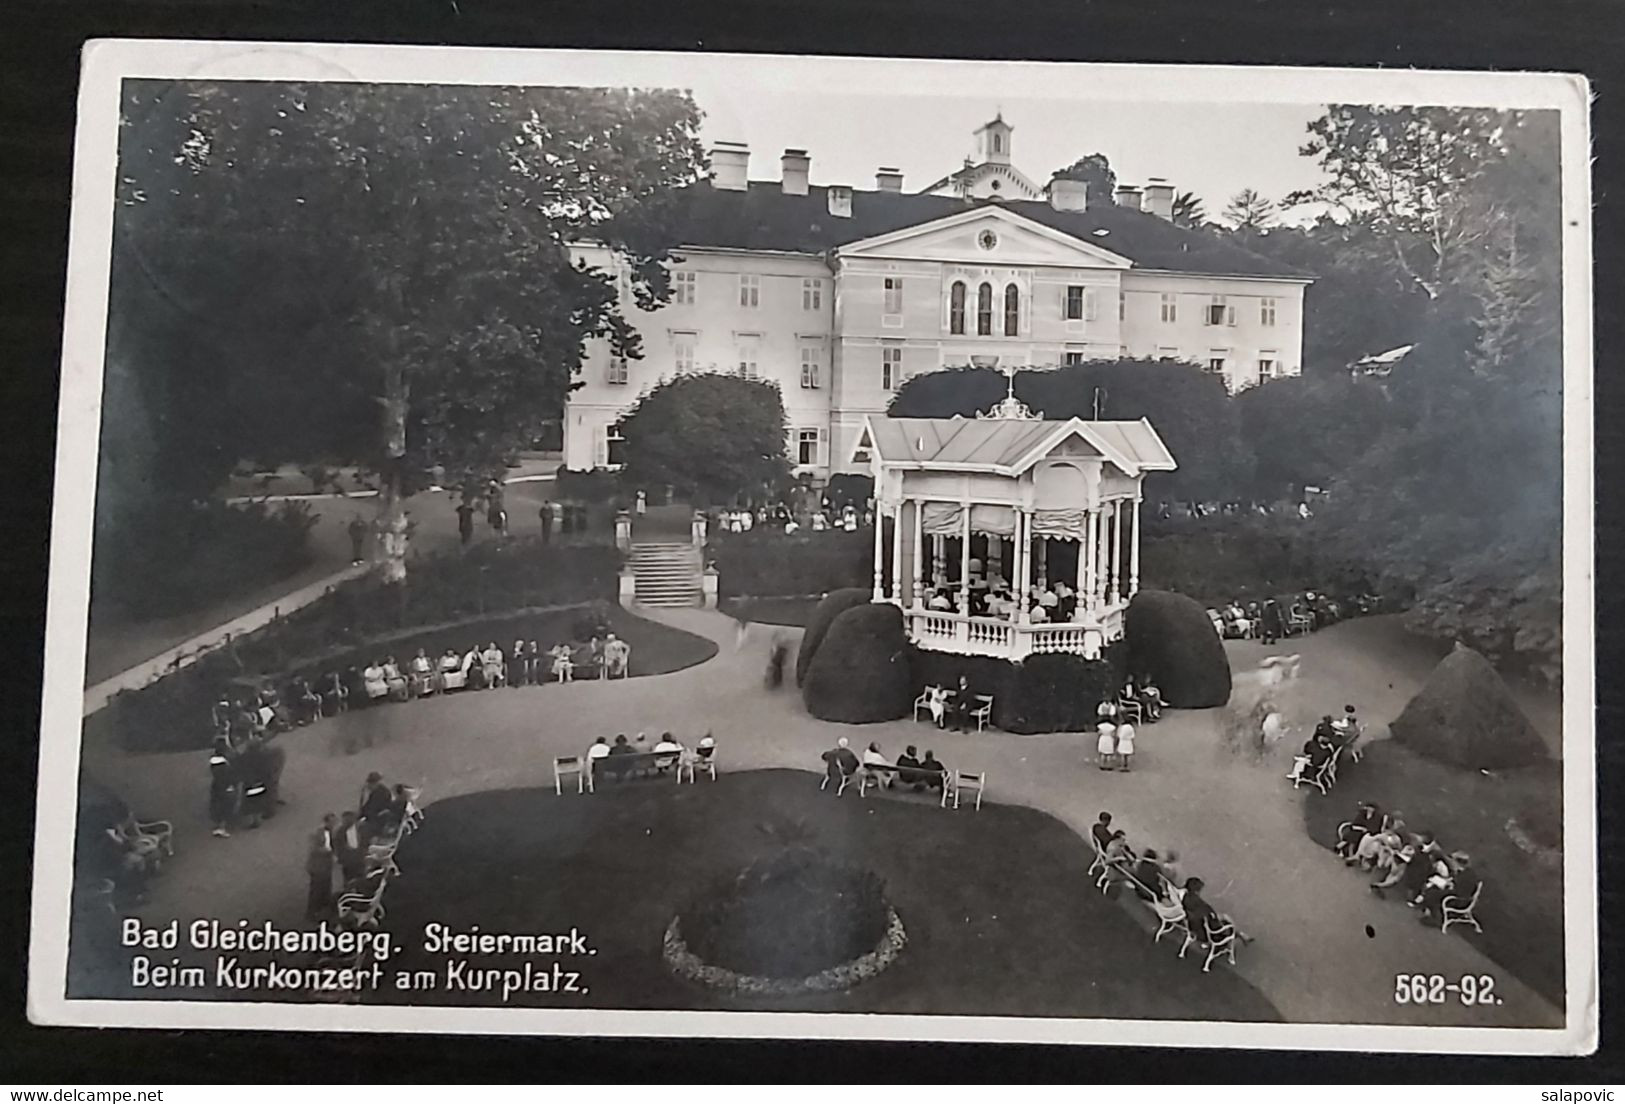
(38, 80)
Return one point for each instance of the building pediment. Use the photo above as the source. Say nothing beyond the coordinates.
(986, 235)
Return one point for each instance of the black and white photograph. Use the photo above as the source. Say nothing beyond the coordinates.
(590, 543)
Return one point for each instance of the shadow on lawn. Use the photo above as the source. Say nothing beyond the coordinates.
(1510, 823)
(1000, 915)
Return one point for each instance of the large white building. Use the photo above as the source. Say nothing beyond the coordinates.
(840, 295)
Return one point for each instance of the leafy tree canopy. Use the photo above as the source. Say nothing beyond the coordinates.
(716, 439)
(1096, 172)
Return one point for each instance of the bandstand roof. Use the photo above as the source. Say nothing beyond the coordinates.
(1011, 446)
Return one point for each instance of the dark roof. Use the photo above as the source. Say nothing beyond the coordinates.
(763, 217)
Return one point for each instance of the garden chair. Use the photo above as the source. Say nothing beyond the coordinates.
(1222, 945)
(1459, 913)
(846, 780)
(1170, 918)
(367, 908)
(693, 763)
(565, 765)
(1131, 709)
(958, 781)
(161, 832)
(1298, 621)
(983, 711)
(1324, 778)
(1100, 857)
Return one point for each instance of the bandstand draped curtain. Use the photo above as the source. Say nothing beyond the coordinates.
(947, 519)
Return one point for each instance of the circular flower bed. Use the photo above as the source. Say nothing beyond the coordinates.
(793, 923)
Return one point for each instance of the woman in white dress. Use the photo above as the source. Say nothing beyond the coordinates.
(372, 677)
(1105, 744)
(422, 672)
(451, 671)
(491, 662)
(395, 679)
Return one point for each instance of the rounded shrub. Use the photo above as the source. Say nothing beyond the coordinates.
(860, 673)
(1465, 715)
(835, 603)
(1171, 638)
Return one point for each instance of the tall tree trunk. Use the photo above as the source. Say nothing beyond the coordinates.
(392, 535)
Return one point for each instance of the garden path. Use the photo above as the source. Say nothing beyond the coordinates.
(1326, 950)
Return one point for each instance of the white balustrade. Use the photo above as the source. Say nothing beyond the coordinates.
(991, 636)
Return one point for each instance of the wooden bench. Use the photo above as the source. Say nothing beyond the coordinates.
(650, 764)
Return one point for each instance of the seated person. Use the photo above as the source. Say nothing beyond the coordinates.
(1377, 850)
(374, 680)
(517, 668)
(563, 664)
(307, 703)
(931, 771)
(1118, 852)
(1203, 919)
(1038, 615)
(1399, 864)
(873, 758)
(474, 669)
(908, 763)
(1346, 729)
(594, 658)
(706, 748)
(612, 768)
(451, 670)
(598, 750)
(840, 763)
(1101, 831)
(395, 679)
(1457, 887)
(936, 701)
(617, 657)
(421, 670)
(1366, 821)
(492, 665)
(1150, 699)
(667, 752)
(940, 601)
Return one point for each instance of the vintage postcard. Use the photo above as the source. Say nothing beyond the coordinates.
(681, 544)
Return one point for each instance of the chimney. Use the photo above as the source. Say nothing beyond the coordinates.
(794, 165)
(1068, 195)
(1127, 195)
(730, 162)
(840, 201)
(888, 180)
(1159, 198)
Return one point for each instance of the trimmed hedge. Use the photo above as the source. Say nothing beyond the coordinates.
(770, 563)
(1171, 638)
(486, 581)
(1056, 692)
(835, 603)
(1465, 715)
(860, 674)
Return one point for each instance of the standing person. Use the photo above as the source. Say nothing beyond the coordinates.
(223, 781)
(1270, 623)
(358, 539)
(319, 869)
(1125, 745)
(465, 521)
(1105, 743)
(545, 513)
(350, 847)
(641, 504)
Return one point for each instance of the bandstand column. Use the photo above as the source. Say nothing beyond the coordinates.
(919, 559)
(964, 559)
(1090, 554)
(1134, 552)
(1083, 570)
(897, 554)
(1043, 561)
(1024, 561)
(880, 558)
(1117, 549)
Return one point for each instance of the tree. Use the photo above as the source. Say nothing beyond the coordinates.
(1188, 212)
(1249, 213)
(387, 256)
(1189, 408)
(715, 439)
(1096, 172)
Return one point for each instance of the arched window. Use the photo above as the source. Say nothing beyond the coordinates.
(998, 143)
(956, 307)
(1012, 311)
(984, 310)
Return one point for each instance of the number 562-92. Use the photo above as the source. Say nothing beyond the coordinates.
(1437, 989)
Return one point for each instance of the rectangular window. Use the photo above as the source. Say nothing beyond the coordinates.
(613, 441)
(1170, 308)
(1266, 312)
(1220, 313)
(749, 345)
(683, 288)
(1167, 352)
(893, 297)
(1074, 357)
(812, 295)
(617, 372)
(682, 352)
(1268, 366)
(812, 363)
(807, 447)
(1122, 305)
(891, 367)
(1074, 302)
(1215, 361)
(750, 291)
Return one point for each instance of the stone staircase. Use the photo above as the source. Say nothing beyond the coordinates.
(666, 574)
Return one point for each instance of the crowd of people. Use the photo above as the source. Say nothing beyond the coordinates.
(1412, 865)
(910, 771)
(358, 845)
(625, 758)
(1276, 618)
(1325, 743)
(826, 517)
(1161, 882)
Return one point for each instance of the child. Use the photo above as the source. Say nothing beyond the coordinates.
(1125, 745)
(1105, 745)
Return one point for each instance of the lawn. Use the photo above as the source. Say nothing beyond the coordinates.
(987, 935)
(1511, 825)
